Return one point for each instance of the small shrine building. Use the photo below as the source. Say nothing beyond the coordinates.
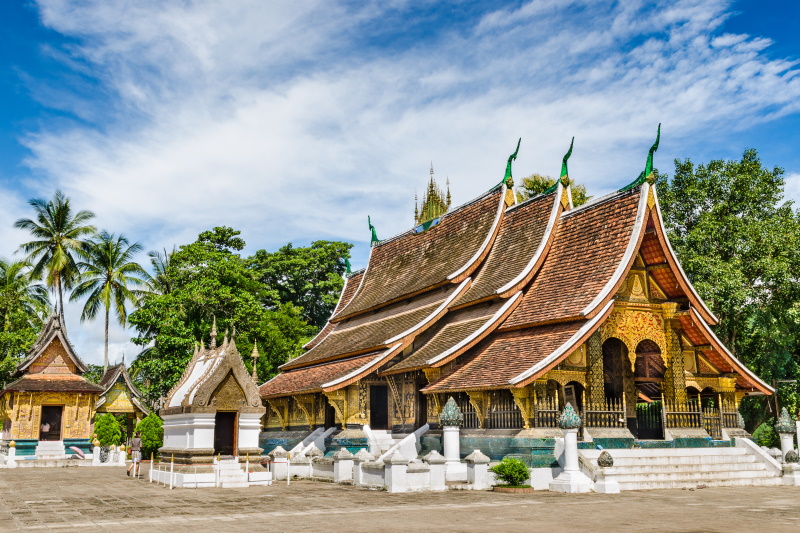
(121, 397)
(214, 408)
(516, 309)
(51, 405)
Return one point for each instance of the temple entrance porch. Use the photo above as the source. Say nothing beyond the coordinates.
(50, 427)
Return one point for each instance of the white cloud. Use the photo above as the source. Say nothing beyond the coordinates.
(792, 188)
(291, 122)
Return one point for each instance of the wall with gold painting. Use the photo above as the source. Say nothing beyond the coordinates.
(21, 412)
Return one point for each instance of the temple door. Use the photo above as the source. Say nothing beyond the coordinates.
(379, 407)
(225, 432)
(648, 375)
(50, 425)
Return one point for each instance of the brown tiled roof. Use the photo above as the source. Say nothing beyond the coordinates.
(54, 329)
(504, 356)
(311, 378)
(367, 332)
(414, 262)
(451, 330)
(518, 238)
(53, 382)
(589, 245)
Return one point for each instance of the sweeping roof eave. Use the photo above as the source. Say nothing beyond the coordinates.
(695, 299)
(351, 284)
(410, 264)
(731, 359)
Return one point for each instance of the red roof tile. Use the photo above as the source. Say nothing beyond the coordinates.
(414, 262)
(350, 286)
(502, 357)
(589, 245)
(520, 235)
(311, 378)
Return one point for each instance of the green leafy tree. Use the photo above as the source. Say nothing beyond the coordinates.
(537, 184)
(94, 373)
(765, 435)
(108, 430)
(739, 243)
(59, 234)
(107, 271)
(308, 277)
(209, 279)
(23, 306)
(152, 434)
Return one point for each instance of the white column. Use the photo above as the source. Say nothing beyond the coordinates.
(121, 456)
(477, 470)
(96, 456)
(395, 469)
(787, 444)
(11, 460)
(571, 479)
(342, 466)
(360, 458)
(451, 443)
(437, 474)
(280, 466)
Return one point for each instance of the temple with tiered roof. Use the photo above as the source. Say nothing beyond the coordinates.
(516, 309)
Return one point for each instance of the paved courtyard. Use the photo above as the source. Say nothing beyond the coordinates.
(104, 499)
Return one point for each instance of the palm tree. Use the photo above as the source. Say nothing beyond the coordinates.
(160, 282)
(18, 293)
(107, 270)
(59, 236)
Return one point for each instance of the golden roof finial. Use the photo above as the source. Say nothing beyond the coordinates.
(214, 333)
(255, 356)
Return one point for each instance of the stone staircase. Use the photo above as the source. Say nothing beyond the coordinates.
(51, 450)
(231, 474)
(672, 468)
(385, 439)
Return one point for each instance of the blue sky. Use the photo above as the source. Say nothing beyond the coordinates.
(292, 121)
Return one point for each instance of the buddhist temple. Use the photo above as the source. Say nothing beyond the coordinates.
(214, 409)
(516, 309)
(121, 397)
(51, 406)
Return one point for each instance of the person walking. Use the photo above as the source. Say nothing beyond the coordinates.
(136, 454)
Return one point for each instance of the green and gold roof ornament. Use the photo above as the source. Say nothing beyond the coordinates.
(348, 270)
(647, 175)
(563, 178)
(372, 229)
(569, 419)
(451, 415)
(508, 180)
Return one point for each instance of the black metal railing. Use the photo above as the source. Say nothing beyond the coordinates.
(546, 412)
(609, 413)
(503, 411)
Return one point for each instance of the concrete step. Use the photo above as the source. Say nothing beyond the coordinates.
(767, 481)
(698, 477)
(683, 461)
(232, 485)
(667, 452)
(687, 469)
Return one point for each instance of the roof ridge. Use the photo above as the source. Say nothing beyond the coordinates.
(527, 201)
(601, 200)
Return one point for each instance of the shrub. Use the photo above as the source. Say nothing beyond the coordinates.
(765, 435)
(108, 430)
(152, 434)
(511, 471)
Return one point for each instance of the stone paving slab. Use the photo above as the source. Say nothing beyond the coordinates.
(104, 499)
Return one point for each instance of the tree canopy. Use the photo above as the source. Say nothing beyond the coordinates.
(537, 184)
(739, 243)
(209, 278)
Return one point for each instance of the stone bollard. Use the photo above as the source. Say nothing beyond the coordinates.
(280, 463)
(395, 469)
(791, 469)
(437, 465)
(343, 466)
(477, 470)
(361, 457)
(606, 483)
(11, 460)
(451, 419)
(96, 456)
(312, 454)
(786, 428)
(571, 479)
(122, 456)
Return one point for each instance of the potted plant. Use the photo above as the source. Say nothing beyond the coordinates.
(512, 473)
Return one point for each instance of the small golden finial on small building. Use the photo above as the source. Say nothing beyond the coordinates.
(214, 333)
(255, 355)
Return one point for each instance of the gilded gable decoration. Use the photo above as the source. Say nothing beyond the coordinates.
(632, 326)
